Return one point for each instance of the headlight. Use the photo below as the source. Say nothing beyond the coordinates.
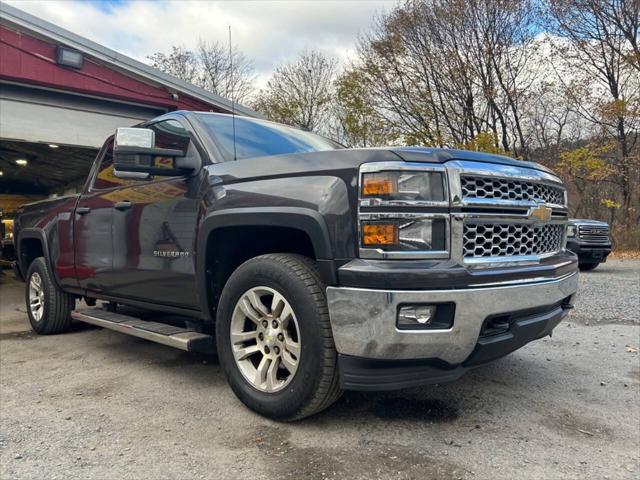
(404, 236)
(571, 231)
(403, 210)
(378, 188)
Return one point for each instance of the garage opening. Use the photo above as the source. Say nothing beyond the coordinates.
(48, 142)
(34, 171)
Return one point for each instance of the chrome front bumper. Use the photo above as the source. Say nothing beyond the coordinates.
(364, 320)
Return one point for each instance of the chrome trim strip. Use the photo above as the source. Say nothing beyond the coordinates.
(473, 217)
(505, 261)
(378, 202)
(525, 281)
(373, 167)
(466, 167)
(498, 203)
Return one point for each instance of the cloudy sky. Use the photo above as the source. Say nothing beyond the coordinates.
(269, 32)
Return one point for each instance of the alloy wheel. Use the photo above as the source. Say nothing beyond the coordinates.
(36, 297)
(265, 339)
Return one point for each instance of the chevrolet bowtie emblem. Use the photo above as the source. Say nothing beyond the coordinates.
(540, 213)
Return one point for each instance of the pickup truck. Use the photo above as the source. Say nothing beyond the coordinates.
(308, 267)
(589, 240)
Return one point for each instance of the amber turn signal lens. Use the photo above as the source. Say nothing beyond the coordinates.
(379, 234)
(378, 185)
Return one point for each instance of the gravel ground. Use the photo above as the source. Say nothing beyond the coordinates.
(96, 404)
(610, 294)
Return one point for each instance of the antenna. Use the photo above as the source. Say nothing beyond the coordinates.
(233, 104)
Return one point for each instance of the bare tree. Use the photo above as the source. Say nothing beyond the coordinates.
(228, 76)
(300, 93)
(618, 22)
(211, 67)
(180, 62)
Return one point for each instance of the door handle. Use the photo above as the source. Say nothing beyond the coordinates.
(123, 205)
(82, 210)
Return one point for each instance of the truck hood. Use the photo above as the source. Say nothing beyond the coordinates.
(345, 162)
(441, 155)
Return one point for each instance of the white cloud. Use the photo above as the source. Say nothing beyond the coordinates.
(269, 32)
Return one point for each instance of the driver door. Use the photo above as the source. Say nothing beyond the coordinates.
(154, 228)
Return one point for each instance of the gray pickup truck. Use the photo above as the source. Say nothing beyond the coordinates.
(310, 268)
(590, 241)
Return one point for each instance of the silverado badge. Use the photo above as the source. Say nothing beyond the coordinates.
(541, 213)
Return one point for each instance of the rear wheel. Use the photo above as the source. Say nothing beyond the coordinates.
(586, 267)
(274, 337)
(48, 307)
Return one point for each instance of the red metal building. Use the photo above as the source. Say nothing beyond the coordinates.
(61, 95)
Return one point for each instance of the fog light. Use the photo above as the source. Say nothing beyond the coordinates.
(416, 316)
(437, 316)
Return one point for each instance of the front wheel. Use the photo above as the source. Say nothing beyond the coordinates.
(587, 267)
(274, 337)
(48, 307)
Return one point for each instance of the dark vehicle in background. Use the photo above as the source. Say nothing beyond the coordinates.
(308, 267)
(589, 239)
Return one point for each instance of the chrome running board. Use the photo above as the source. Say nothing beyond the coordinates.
(186, 339)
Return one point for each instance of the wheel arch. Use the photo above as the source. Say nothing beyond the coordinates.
(219, 242)
(32, 243)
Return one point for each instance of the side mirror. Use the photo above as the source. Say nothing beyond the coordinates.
(134, 152)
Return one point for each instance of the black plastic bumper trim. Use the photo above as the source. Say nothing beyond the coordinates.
(366, 374)
(587, 251)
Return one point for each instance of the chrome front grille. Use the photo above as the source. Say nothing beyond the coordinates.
(510, 239)
(594, 233)
(495, 188)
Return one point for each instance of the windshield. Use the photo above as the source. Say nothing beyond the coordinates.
(258, 138)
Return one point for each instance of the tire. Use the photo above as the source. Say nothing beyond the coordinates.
(53, 316)
(587, 267)
(283, 396)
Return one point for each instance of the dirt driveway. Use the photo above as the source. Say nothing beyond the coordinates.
(97, 404)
